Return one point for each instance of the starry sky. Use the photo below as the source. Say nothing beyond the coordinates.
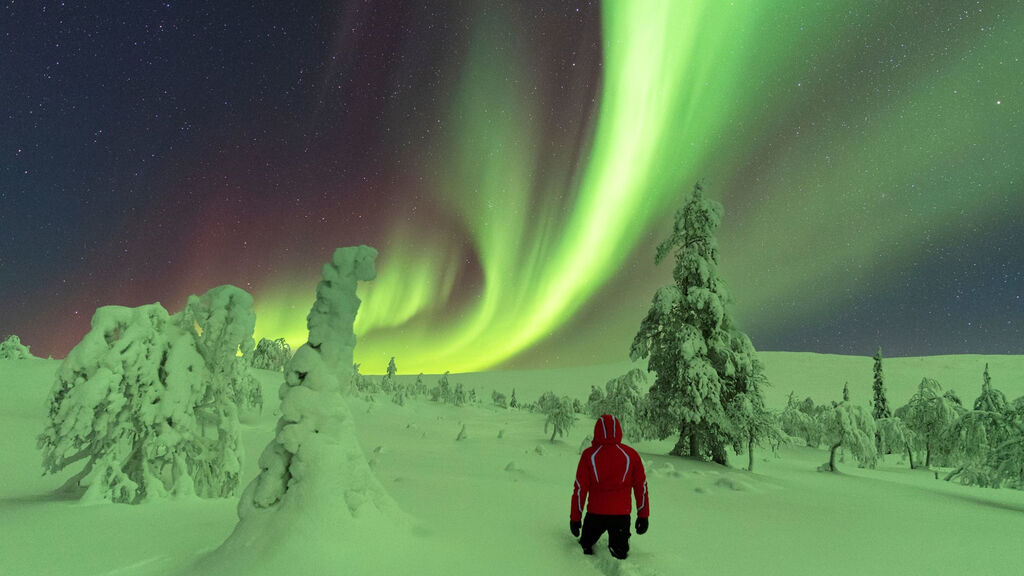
(516, 163)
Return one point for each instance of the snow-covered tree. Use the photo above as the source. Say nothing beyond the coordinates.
(690, 341)
(499, 399)
(1009, 456)
(125, 402)
(513, 402)
(846, 392)
(595, 400)
(459, 395)
(442, 392)
(799, 420)
(991, 399)
(12, 349)
(271, 354)
(754, 424)
(971, 441)
(560, 416)
(388, 382)
(621, 398)
(880, 405)
(313, 473)
(419, 388)
(929, 413)
(221, 323)
(894, 436)
(853, 428)
(245, 388)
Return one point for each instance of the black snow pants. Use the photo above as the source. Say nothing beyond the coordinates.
(617, 526)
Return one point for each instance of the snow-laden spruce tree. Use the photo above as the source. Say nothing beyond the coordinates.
(387, 383)
(12, 349)
(271, 354)
(314, 481)
(700, 359)
(125, 403)
(880, 404)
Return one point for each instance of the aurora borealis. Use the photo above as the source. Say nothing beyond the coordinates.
(516, 163)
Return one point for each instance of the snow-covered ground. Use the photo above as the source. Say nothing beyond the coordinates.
(497, 502)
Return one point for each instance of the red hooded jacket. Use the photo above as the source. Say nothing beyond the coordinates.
(607, 471)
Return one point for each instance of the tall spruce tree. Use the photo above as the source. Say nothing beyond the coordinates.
(700, 359)
(880, 403)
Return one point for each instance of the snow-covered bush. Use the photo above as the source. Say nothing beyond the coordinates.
(271, 354)
(125, 402)
(12, 349)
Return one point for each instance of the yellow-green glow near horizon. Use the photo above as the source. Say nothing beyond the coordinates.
(689, 89)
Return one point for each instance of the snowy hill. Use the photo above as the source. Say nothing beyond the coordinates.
(496, 502)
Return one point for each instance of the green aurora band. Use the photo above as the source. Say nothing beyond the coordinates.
(689, 89)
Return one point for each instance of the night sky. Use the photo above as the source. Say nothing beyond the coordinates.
(516, 163)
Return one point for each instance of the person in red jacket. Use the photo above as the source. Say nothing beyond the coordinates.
(606, 474)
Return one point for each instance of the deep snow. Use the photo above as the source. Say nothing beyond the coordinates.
(500, 505)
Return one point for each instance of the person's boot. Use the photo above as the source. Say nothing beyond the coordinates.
(617, 554)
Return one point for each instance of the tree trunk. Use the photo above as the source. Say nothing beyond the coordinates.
(694, 445)
(953, 473)
(750, 453)
(910, 456)
(718, 455)
(927, 454)
(72, 486)
(680, 448)
(832, 457)
(553, 434)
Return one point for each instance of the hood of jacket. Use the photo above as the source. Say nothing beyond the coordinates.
(607, 430)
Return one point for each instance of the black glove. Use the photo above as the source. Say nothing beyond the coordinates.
(574, 527)
(641, 525)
